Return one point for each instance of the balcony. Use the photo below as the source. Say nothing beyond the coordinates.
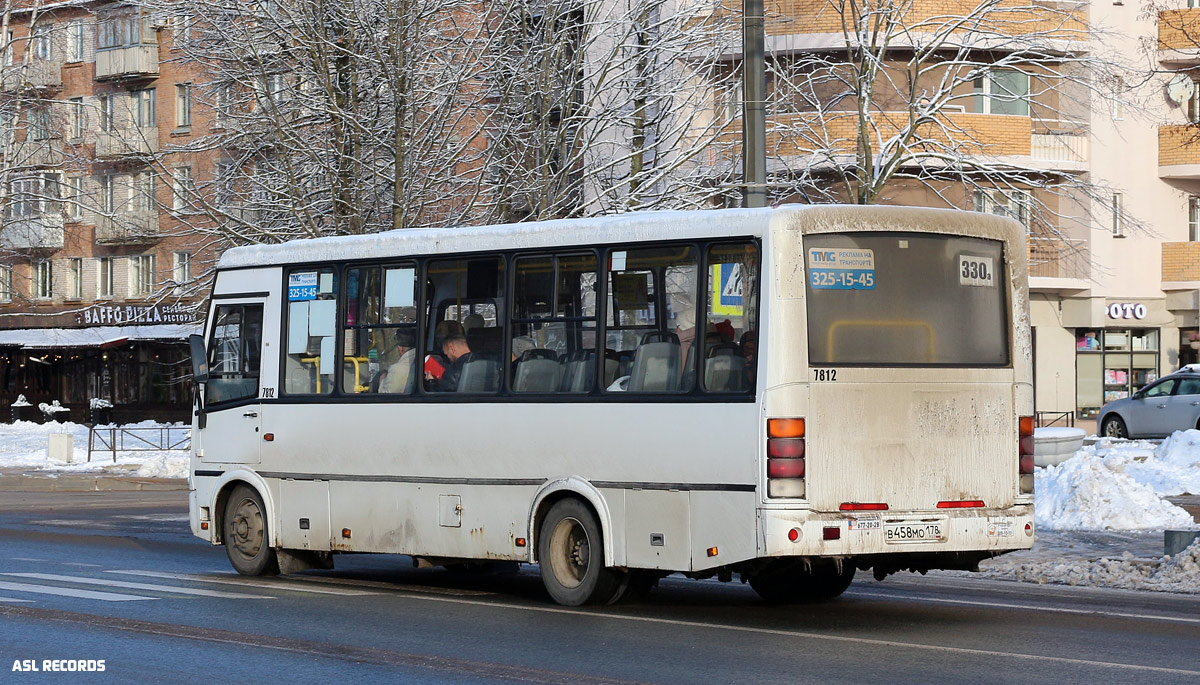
(1179, 37)
(1179, 152)
(1181, 265)
(38, 232)
(127, 62)
(45, 152)
(127, 228)
(1060, 149)
(138, 140)
(36, 75)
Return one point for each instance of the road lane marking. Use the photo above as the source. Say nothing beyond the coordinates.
(1028, 607)
(398, 587)
(813, 636)
(69, 592)
(275, 585)
(14, 599)
(137, 586)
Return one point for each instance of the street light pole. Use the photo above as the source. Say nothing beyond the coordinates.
(754, 118)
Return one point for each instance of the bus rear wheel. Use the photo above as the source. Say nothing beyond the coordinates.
(794, 583)
(571, 557)
(246, 536)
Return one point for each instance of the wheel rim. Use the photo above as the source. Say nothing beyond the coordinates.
(1112, 429)
(246, 529)
(570, 552)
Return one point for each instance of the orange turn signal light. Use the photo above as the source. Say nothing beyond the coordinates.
(1026, 426)
(269, 437)
(712, 551)
(520, 542)
(204, 525)
(346, 532)
(785, 428)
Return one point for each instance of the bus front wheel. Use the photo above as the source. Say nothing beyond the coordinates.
(571, 556)
(245, 533)
(793, 584)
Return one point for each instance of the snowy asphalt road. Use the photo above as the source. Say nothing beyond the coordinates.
(117, 576)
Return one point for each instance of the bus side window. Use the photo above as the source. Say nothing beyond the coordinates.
(310, 366)
(652, 316)
(234, 353)
(729, 358)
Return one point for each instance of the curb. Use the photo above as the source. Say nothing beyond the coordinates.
(85, 482)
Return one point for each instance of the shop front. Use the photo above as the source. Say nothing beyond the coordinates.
(1128, 347)
(136, 371)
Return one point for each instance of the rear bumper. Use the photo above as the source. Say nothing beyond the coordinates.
(992, 531)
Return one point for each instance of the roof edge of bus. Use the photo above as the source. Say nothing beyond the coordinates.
(611, 228)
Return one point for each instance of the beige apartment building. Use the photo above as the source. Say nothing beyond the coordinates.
(97, 267)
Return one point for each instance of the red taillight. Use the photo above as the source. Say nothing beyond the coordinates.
(960, 504)
(785, 457)
(785, 468)
(1025, 444)
(863, 506)
(1025, 468)
(785, 448)
(831, 533)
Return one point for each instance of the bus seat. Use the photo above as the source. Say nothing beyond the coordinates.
(538, 370)
(480, 375)
(578, 370)
(725, 373)
(612, 365)
(625, 362)
(723, 349)
(655, 366)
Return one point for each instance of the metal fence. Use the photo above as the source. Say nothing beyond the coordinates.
(1056, 418)
(154, 439)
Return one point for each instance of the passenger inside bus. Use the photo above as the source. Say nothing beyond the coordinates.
(468, 372)
(399, 377)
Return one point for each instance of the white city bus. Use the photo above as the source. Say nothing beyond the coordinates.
(785, 394)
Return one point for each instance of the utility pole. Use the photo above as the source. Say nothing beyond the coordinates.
(754, 116)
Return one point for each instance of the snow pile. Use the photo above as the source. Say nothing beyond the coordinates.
(23, 445)
(1085, 492)
(1180, 573)
(1172, 469)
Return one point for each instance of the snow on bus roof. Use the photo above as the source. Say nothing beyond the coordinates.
(631, 227)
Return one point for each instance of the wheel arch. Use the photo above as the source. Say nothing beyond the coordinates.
(573, 486)
(230, 480)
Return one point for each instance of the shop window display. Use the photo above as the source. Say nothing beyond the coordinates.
(1112, 364)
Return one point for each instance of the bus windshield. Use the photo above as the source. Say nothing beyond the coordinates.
(914, 299)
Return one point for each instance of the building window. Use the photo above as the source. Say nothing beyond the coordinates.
(43, 280)
(8, 49)
(181, 26)
(5, 283)
(142, 192)
(1003, 91)
(119, 28)
(104, 286)
(142, 275)
(1013, 204)
(36, 195)
(184, 189)
(73, 197)
(224, 173)
(142, 107)
(76, 117)
(75, 278)
(42, 48)
(1194, 218)
(1118, 227)
(75, 40)
(183, 105)
(39, 122)
(181, 269)
(105, 105)
(223, 97)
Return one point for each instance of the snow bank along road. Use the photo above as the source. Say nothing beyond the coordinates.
(116, 576)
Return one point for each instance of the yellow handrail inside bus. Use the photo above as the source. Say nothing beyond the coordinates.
(358, 387)
(930, 334)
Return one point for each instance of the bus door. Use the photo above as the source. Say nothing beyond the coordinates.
(229, 433)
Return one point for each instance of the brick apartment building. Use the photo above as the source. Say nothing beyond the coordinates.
(98, 287)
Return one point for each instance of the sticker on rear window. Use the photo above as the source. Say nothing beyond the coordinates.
(977, 271)
(841, 269)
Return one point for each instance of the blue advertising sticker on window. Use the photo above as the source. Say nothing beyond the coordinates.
(302, 286)
(841, 269)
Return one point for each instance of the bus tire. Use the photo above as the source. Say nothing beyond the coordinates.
(247, 539)
(794, 585)
(571, 556)
(1114, 427)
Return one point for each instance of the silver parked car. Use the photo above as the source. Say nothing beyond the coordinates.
(1155, 411)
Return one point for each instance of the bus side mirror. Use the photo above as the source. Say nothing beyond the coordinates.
(199, 359)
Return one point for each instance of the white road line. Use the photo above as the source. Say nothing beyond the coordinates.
(397, 587)
(235, 580)
(69, 592)
(812, 636)
(137, 586)
(14, 599)
(1029, 607)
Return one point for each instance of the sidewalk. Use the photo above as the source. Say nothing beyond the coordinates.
(26, 480)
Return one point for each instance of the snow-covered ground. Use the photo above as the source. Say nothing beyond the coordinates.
(24, 445)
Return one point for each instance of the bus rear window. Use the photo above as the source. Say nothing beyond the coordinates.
(894, 299)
